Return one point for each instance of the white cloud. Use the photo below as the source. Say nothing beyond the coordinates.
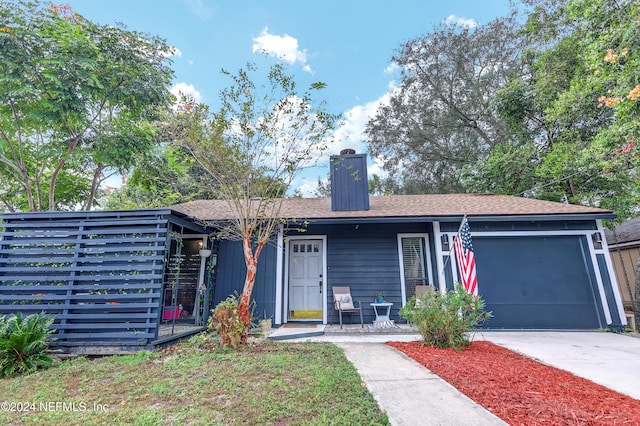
(351, 133)
(391, 68)
(376, 168)
(180, 89)
(461, 22)
(283, 47)
(200, 9)
(307, 186)
(173, 51)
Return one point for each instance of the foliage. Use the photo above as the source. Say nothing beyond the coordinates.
(444, 320)
(168, 175)
(79, 101)
(226, 321)
(23, 343)
(441, 116)
(576, 104)
(252, 148)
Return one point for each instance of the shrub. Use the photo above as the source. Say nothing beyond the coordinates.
(23, 343)
(227, 323)
(444, 320)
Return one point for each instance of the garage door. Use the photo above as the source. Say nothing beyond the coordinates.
(536, 283)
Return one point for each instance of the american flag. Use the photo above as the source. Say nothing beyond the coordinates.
(466, 259)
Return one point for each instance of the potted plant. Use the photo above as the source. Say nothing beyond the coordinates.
(380, 298)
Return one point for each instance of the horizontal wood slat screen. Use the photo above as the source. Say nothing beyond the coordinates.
(98, 273)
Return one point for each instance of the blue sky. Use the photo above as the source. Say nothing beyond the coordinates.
(346, 44)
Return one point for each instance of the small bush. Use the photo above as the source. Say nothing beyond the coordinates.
(23, 343)
(444, 320)
(227, 323)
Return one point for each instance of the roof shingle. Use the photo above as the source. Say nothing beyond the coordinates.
(399, 206)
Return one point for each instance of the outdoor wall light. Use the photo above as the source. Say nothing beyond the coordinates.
(444, 239)
(596, 237)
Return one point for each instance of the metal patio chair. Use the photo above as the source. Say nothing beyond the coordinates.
(343, 302)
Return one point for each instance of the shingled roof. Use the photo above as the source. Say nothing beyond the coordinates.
(627, 232)
(402, 206)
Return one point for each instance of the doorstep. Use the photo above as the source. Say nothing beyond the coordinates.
(387, 328)
(298, 332)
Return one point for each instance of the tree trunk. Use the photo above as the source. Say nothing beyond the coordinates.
(94, 187)
(572, 188)
(27, 187)
(52, 185)
(251, 260)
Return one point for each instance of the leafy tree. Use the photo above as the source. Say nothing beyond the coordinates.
(167, 175)
(78, 99)
(441, 117)
(576, 106)
(252, 148)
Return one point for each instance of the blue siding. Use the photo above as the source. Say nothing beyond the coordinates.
(536, 282)
(231, 272)
(366, 259)
(349, 186)
(533, 282)
(448, 271)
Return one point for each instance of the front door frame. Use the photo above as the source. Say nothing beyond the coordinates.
(285, 293)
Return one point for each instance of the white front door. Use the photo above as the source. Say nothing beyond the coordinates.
(305, 279)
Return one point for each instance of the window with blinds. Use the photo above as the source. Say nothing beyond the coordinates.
(413, 262)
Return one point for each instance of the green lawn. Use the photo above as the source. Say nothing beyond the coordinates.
(265, 383)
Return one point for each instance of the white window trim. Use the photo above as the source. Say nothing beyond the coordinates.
(427, 254)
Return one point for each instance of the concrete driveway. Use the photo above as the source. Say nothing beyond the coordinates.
(609, 359)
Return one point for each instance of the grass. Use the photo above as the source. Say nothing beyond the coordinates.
(196, 383)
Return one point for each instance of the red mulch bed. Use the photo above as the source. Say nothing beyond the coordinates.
(522, 391)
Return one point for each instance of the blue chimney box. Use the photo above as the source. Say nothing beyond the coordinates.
(349, 184)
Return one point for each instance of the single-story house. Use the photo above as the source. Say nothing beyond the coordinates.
(540, 264)
(624, 247)
(119, 281)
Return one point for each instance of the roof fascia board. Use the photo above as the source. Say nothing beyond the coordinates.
(493, 218)
(187, 223)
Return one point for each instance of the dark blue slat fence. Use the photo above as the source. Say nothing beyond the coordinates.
(99, 273)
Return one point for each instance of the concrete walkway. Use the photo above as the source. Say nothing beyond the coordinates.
(411, 395)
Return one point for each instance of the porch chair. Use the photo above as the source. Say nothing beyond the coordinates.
(343, 302)
(421, 290)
